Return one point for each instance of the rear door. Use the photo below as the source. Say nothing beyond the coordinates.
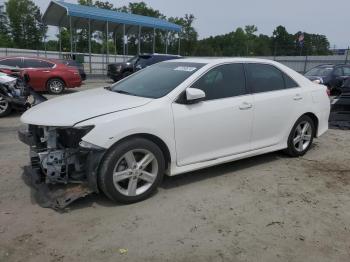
(39, 71)
(277, 102)
(338, 76)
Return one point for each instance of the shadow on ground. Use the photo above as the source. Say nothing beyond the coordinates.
(168, 183)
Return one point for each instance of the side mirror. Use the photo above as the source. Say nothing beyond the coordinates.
(194, 95)
(317, 81)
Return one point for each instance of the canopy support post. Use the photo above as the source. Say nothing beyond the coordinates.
(107, 47)
(179, 49)
(60, 42)
(139, 42)
(154, 41)
(89, 36)
(166, 42)
(115, 46)
(71, 37)
(124, 40)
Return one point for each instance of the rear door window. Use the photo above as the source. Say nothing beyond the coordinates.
(346, 70)
(264, 78)
(36, 63)
(338, 71)
(289, 82)
(14, 62)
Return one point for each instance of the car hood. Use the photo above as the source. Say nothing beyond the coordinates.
(69, 110)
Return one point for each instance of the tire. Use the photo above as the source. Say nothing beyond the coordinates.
(123, 179)
(5, 107)
(301, 137)
(55, 86)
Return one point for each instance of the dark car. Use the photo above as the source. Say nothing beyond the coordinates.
(333, 76)
(77, 65)
(117, 71)
(346, 86)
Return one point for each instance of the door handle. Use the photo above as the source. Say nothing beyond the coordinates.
(245, 106)
(298, 97)
(46, 71)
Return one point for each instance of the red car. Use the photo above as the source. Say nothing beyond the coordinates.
(46, 74)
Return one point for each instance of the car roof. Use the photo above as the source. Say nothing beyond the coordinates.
(157, 54)
(326, 65)
(215, 60)
(30, 57)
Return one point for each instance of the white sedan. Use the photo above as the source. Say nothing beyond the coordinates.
(171, 118)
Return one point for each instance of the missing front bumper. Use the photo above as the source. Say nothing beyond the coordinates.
(57, 197)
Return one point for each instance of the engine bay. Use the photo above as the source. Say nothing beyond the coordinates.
(56, 151)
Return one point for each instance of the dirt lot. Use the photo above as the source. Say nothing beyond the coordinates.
(267, 208)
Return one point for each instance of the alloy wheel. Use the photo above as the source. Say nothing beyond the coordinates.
(302, 136)
(56, 86)
(135, 172)
(3, 104)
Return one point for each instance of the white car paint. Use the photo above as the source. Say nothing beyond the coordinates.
(198, 135)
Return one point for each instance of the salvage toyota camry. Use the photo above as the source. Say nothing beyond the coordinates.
(170, 118)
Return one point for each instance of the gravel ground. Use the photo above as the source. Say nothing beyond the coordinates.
(266, 208)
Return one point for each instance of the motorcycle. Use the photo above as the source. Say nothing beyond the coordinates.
(15, 92)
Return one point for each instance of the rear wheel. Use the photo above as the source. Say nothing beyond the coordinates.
(301, 137)
(5, 107)
(132, 171)
(55, 86)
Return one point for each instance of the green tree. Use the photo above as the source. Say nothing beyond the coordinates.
(189, 35)
(5, 37)
(26, 27)
(283, 42)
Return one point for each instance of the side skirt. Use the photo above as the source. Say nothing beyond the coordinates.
(176, 170)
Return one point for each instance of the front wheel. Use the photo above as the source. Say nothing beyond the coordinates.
(132, 171)
(301, 137)
(5, 107)
(55, 86)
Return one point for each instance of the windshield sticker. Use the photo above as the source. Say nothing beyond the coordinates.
(185, 68)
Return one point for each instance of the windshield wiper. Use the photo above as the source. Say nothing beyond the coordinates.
(124, 92)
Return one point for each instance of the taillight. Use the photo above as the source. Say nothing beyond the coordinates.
(328, 92)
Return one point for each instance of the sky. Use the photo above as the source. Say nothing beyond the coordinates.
(331, 18)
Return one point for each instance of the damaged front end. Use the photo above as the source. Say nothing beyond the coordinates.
(63, 166)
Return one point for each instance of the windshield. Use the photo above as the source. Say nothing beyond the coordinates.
(319, 71)
(156, 81)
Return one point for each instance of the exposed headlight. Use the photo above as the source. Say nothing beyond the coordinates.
(83, 130)
(90, 146)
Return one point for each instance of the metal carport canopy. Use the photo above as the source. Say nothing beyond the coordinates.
(58, 14)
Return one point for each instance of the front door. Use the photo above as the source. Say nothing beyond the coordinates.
(219, 126)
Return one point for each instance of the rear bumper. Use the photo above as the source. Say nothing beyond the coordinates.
(74, 83)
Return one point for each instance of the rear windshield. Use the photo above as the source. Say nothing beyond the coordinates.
(158, 80)
(320, 71)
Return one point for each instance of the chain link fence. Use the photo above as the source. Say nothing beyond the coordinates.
(99, 62)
